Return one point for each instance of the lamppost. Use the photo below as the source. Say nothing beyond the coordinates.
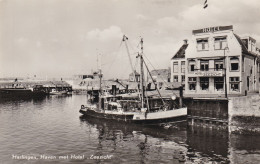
(226, 48)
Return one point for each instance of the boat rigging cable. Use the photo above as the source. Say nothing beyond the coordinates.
(113, 61)
(117, 52)
(125, 39)
(153, 79)
(128, 53)
(158, 73)
(154, 82)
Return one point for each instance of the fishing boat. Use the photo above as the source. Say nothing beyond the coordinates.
(57, 92)
(139, 108)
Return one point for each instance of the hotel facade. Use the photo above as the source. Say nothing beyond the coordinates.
(217, 62)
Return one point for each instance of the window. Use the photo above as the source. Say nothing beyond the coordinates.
(219, 83)
(191, 65)
(202, 44)
(218, 65)
(183, 66)
(234, 84)
(204, 65)
(182, 78)
(175, 78)
(192, 83)
(204, 83)
(175, 67)
(220, 42)
(234, 64)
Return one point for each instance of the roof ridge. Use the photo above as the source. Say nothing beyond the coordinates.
(241, 42)
(181, 51)
(244, 48)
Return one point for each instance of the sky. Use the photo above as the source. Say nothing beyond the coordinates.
(61, 38)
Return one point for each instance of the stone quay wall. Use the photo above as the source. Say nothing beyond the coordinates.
(244, 114)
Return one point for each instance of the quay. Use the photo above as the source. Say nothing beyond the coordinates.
(236, 114)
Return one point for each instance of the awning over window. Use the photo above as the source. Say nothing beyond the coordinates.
(202, 40)
(211, 58)
(220, 38)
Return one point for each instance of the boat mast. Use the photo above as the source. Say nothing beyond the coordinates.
(87, 92)
(100, 82)
(142, 72)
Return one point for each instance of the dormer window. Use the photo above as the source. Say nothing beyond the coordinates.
(202, 44)
(245, 41)
(220, 42)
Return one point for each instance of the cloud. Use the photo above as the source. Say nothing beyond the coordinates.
(21, 40)
(174, 28)
(142, 17)
(160, 54)
(111, 33)
(38, 44)
(241, 14)
(168, 22)
(161, 2)
(70, 32)
(223, 12)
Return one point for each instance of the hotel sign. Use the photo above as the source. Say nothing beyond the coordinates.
(212, 29)
(209, 73)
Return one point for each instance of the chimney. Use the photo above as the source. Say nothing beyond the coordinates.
(185, 41)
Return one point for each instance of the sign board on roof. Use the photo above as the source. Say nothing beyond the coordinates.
(212, 29)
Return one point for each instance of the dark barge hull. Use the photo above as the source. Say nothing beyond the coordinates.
(22, 93)
(129, 118)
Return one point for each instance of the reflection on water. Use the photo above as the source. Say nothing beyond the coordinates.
(208, 142)
(51, 126)
(197, 144)
(138, 143)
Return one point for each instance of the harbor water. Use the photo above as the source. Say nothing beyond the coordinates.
(50, 130)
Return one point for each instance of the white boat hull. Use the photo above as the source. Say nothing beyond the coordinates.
(159, 117)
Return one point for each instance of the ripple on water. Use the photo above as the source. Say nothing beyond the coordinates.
(52, 126)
